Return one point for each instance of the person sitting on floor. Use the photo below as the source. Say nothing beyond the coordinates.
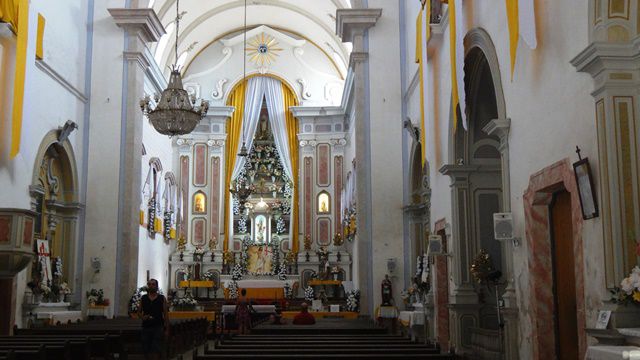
(304, 318)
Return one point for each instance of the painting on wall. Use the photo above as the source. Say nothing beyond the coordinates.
(259, 259)
(585, 189)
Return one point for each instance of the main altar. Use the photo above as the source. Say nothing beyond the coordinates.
(279, 229)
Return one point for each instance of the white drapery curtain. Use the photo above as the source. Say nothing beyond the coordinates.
(277, 119)
(252, 105)
(269, 89)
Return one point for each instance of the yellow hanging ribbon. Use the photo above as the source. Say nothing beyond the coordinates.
(18, 83)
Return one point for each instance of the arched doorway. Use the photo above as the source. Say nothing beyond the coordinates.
(477, 169)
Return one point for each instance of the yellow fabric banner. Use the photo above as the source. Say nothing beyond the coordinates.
(420, 59)
(9, 13)
(40, 39)
(514, 30)
(292, 140)
(21, 68)
(234, 130)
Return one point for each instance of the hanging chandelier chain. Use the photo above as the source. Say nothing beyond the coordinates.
(244, 66)
(177, 30)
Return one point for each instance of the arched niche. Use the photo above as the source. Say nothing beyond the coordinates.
(54, 197)
(323, 201)
(199, 202)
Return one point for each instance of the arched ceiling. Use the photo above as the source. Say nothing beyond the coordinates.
(208, 20)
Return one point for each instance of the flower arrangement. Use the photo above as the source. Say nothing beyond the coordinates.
(407, 294)
(288, 292)
(45, 290)
(199, 250)
(308, 293)
(629, 289)
(64, 288)
(184, 303)
(209, 275)
(280, 226)
(353, 300)
(233, 290)
(237, 273)
(282, 272)
(96, 297)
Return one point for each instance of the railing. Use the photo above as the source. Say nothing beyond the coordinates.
(486, 344)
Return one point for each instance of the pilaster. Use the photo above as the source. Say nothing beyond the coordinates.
(615, 68)
(141, 26)
(351, 26)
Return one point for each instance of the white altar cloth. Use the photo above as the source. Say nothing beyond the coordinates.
(260, 309)
(613, 353)
(60, 316)
(411, 318)
(259, 284)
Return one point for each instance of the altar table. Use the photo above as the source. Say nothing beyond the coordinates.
(210, 315)
(260, 309)
(63, 317)
(260, 289)
(323, 314)
(195, 283)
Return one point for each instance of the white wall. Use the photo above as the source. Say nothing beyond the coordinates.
(153, 254)
(47, 103)
(551, 111)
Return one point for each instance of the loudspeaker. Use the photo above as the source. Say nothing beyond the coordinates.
(503, 226)
(435, 245)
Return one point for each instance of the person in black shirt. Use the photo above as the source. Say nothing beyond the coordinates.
(154, 312)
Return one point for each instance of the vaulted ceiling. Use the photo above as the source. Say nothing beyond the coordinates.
(205, 21)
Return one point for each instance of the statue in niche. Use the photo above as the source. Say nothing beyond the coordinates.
(386, 290)
(263, 132)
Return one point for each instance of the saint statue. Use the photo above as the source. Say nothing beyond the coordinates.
(386, 291)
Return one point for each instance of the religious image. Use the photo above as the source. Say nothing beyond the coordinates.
(259, 259)
(323, 203)
(199, 203)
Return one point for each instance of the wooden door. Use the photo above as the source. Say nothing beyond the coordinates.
(566, 320)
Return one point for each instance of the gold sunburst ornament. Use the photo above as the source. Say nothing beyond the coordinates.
(263, 50)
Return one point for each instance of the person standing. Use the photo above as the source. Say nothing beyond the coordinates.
(154, 312)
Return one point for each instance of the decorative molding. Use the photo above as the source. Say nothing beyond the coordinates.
(226, 51)
(215, 143)
(303, 92)
(601, 56)
(47, 69)
(353, 22)
(221, 111)
(139, 57)
(218, 93)
(144, 21)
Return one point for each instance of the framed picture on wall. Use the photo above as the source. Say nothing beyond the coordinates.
(586, 190)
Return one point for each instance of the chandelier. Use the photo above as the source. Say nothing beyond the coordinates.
(175, 111)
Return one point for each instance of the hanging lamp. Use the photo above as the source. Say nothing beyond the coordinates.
(174, 112)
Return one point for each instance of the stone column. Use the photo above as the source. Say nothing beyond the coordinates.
(463, 299)
(351, 26)
(141, 26)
